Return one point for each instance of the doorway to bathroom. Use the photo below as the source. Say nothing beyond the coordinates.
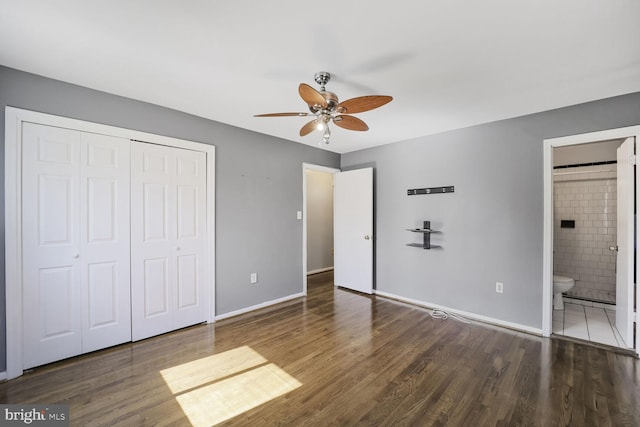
(584, 241)
(590, 187)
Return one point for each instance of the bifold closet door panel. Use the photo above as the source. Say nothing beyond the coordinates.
(105, 249)
(169, 284)
(151, 244)
(192, 279)
(75, 227)
(51, 279)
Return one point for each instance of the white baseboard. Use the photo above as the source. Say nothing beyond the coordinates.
(468, 315)
(258, 306)
(319, 270)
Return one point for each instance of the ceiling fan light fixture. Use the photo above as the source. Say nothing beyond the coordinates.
(323, 122)
(326, 135)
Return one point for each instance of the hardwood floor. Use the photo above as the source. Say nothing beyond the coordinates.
(341, 358)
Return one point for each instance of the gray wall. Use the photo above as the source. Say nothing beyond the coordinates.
(258, 185)
(492, 224)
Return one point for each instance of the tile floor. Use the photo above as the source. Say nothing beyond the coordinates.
(596, 324)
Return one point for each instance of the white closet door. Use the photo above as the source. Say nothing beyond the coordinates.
(105, 244)
(51, 244)
(75, 222)
(169, 282)
(192, 279)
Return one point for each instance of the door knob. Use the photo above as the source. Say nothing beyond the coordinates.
(367, 237)
(178, 248)
(76, 255)
(613, 248)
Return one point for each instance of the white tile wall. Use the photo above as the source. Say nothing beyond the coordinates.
(588, 196)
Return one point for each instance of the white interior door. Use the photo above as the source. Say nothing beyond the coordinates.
(51, 244)
(105, 243)
(168, 271)
(353, 230)
(625, 257)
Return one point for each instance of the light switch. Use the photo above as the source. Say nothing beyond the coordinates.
(299, 215)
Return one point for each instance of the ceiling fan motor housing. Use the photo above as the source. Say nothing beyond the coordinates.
(332, 103)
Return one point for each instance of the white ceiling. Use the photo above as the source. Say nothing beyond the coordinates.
(448, 64)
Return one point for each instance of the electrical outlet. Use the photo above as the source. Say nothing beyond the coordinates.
(254, 277)
(499, 287)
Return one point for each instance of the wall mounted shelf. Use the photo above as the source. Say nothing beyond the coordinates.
(426, 236)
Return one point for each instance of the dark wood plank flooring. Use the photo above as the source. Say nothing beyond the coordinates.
(341, 358)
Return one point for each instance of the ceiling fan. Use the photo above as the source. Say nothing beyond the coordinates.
(325, 106)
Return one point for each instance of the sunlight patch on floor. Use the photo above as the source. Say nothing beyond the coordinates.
(219, 387)
(212, 368)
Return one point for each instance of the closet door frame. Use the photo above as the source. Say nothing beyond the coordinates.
(14, 118)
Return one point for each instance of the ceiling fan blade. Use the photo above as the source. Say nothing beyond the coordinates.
(350, 122)
(311, 96)
(363, 103)
(281, 114)
(309, 127)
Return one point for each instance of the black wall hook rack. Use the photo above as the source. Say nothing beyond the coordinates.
(430, 190)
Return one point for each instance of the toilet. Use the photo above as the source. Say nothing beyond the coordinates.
(561, 284)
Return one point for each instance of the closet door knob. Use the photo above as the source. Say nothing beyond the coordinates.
(76, 255)
(367, 237)
(613, 248)
(178, 248)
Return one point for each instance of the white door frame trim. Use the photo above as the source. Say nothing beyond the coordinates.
(547, 255)
(305, 168)
(14, 117)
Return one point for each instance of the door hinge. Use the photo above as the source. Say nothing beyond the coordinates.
(632, 160)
